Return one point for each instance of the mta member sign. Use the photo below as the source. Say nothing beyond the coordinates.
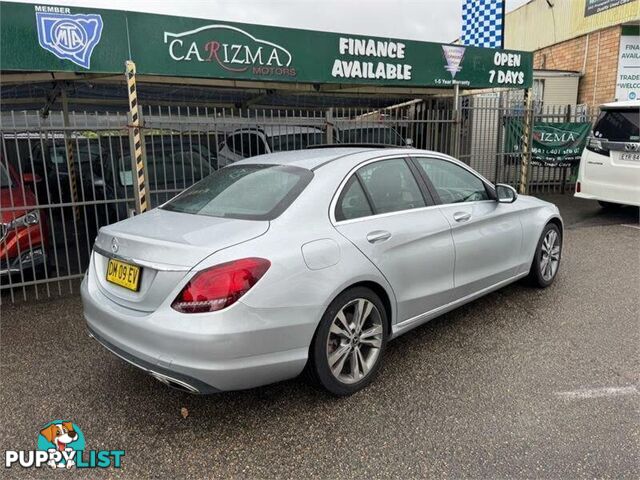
(554, 144)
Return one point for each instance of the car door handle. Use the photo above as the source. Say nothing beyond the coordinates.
(378, 236)
(461, 216)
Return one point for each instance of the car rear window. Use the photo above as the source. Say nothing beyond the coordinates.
(618, 125)
(388, 136)
(248, 192)
(168, 172)
(295, 141)
(83, 152)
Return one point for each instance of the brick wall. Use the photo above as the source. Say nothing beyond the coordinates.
(598, 84)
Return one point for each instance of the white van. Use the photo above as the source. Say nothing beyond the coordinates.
(610, 164)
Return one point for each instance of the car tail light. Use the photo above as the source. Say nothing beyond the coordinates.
(577, 187)
(218, 287)
(597, 146)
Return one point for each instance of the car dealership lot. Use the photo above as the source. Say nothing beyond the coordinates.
(520, 383)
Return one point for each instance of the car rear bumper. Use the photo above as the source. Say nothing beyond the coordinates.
(168, 377)
(237, 348)
(622, 199)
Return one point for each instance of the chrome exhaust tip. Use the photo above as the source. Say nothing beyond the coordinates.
(173, 382)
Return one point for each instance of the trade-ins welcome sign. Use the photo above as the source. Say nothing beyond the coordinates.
(57, 38)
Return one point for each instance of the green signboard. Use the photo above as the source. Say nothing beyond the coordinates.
(49, 38)
(554, 144)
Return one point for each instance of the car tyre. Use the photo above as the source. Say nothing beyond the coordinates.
(546, 260)
(347, 349)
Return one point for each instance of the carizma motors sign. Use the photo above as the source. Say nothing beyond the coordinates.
(231, 49)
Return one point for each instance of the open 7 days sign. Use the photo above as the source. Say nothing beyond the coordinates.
(52, 38)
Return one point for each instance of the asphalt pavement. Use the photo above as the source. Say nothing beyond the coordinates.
(521, 383)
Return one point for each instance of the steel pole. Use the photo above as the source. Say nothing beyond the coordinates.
(527, 133)
(69, 150)
(135, 136)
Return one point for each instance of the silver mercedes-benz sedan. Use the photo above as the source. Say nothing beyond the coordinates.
(308, 260)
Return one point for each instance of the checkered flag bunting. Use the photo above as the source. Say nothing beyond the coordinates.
(483, 23)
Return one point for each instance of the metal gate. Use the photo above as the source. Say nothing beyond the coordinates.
(63, 177)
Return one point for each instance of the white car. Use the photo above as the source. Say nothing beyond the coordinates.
(251, 141)
(610, 164)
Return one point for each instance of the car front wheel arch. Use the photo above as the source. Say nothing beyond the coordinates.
(558, 223)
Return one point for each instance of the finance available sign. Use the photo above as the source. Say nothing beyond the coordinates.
(385, 60)
(628, 79)
(78, 39)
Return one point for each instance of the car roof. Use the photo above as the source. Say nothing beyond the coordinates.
(275, 130)
(308, 159)
(625, 104)
(363, 125)
(314, 158)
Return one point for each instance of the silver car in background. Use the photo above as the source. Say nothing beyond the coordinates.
(308, 260)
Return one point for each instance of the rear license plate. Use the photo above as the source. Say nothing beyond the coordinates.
(632, 157)
(123, 274)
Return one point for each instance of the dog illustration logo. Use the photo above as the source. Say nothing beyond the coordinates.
(61, 444)
(61, 436)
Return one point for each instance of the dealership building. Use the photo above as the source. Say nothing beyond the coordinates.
(108, 113)
(586, 52)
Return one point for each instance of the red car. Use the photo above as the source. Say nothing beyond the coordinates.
(23, 230)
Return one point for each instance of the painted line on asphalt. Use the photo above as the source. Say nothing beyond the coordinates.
(599, 392)
(630, 226)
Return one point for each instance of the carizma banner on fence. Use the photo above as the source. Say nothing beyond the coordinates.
(56, 38)
(554, 144)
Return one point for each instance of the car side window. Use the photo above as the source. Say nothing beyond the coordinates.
(353, 202)
(252, 145)
(230, 143)
(453, 183)
(391, 186)
(246, 144)
(241, 145)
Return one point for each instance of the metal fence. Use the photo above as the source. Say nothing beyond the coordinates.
(63, 177)
(484, 146)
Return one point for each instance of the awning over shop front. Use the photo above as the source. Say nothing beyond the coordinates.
(36, 39)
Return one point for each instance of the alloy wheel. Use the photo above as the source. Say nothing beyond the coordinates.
(354, 341)
(550, 255)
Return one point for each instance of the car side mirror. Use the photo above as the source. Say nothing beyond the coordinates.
(506, 193)
(31, 178)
